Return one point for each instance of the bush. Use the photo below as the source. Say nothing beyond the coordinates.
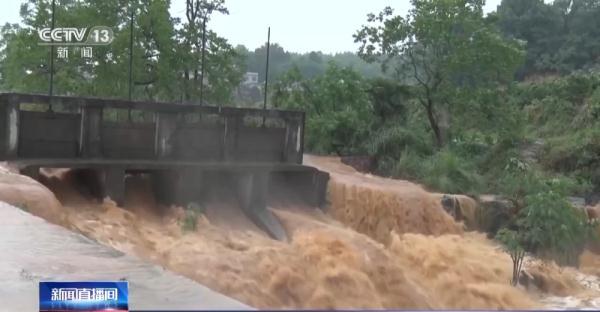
(548, 227)
(518, 183)
(551, 228)
(451, 174)
(444, 171)
(190, 219)
(410, 165)
(594, 106)
(577, 154)
(396, 140)
(551, 114)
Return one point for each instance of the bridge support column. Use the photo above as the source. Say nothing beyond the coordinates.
(165, 184)
(316, 188)
(310, 186)
(114, 184)
(252, 193)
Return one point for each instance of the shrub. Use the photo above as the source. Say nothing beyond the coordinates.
(548, 227)
(519, 182)
(396, 140)
(551, 228)
(577, 154)
(447, 172)
(409, 166)
(512, 245)
(190, 219)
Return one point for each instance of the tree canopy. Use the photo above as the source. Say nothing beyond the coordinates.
(445, 48)
(166, 55)
(561, 36)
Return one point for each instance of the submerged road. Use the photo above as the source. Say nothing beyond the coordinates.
(33, 250)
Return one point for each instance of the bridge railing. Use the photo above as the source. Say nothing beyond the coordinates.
(64, 127)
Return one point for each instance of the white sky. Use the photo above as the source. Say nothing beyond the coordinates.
(297, 25)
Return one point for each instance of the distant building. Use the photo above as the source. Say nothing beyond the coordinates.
(248, 93)
(250, 79)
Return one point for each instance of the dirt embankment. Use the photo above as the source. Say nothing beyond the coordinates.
(385, 244)
(30, 195)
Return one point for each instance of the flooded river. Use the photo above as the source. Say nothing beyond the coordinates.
(382, 244)
(34, 250)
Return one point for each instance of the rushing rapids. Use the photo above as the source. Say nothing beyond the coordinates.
(382, 244)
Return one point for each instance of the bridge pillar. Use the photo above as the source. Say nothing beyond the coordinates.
(165, 184)
(314, 187)
(252, 194)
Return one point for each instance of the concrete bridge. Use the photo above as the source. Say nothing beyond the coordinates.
(183, 147)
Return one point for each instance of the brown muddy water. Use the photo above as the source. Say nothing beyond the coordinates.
(34, 250)
(382, 244)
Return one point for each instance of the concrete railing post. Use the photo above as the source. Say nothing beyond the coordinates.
(12, 127)
(230, 136)
(292, 152)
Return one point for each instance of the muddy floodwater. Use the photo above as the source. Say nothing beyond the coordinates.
(382, 243)
(34, 250)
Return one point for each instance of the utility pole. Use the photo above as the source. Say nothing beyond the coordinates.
(130, 60)
(266, 75)
(51, 88)
(130, 53)
(202, 61)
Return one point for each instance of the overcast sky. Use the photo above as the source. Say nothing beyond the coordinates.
(297, 25)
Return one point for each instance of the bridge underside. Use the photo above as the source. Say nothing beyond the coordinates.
(182, 183)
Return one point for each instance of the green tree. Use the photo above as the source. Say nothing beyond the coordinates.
(165, 57)
(561, 36)
(339, 113)
(279, 61)
(25, 64)
(538, 24)
(512, 244)
(445, 48)
(548, 227)
(223, 64)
